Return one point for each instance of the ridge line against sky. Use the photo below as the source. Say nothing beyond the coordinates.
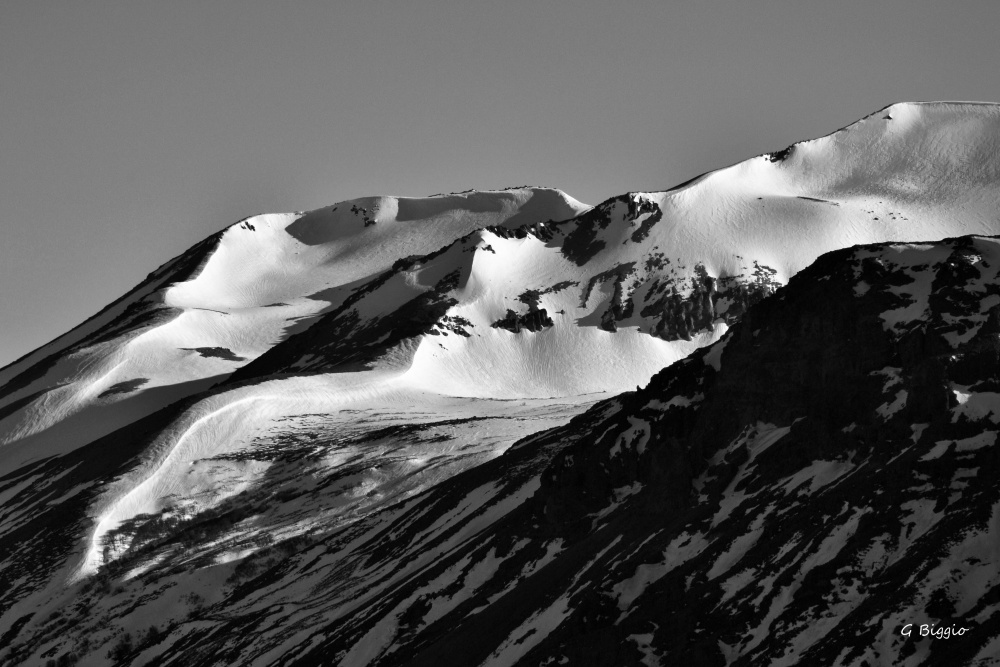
(131, 131)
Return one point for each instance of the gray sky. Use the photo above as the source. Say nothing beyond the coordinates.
(131, 130)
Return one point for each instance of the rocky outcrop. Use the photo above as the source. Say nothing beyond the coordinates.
(533, 320)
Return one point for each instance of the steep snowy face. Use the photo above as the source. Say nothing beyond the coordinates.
(343, 387)
(201, 316)
(657, 268)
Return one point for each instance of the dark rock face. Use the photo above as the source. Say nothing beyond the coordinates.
(125, 387)
(216, 352)
(363, 213)
(780, 156)
(620, 306)
(663, 298)
(534, 320)
(679, 308)
(452, 324)
(638, 207)
(581, 243)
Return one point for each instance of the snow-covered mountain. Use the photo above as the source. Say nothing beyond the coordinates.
(294, 444)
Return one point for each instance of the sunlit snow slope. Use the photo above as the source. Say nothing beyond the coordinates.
(199, 317)
(299, 374)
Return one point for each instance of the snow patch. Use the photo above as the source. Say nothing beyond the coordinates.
(681, 549)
